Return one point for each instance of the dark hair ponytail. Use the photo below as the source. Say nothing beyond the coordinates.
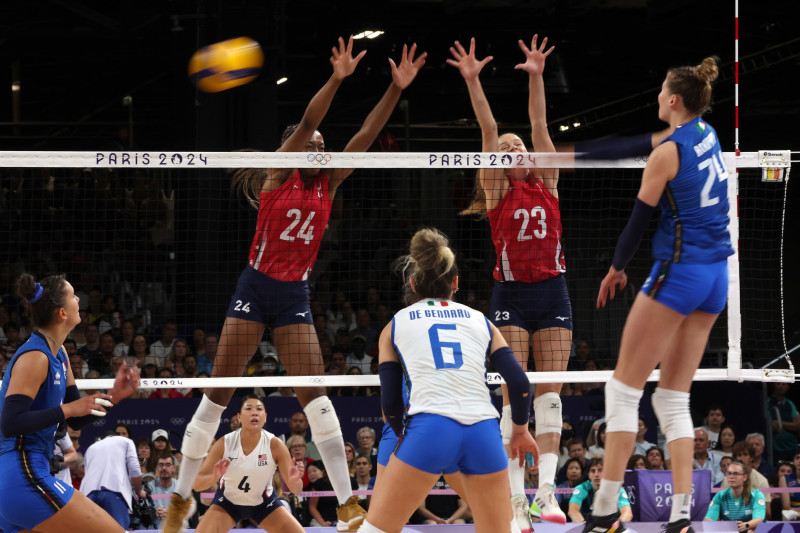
(41, 300)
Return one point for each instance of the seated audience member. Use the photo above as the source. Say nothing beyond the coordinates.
(365, 438)
(438, 509)
(786, 470)
(363, 467)
(298, 425)
(575, 448)
(581, 502)
(297, 449)
(123, 347)
(743, 452)
(205, 361)
(785, 422)
(791, 501)
(727, 438)
(321, 508)
(714, 420)
(162, 348)
(599, 448)
(704, 460)
(180, 349)
(574, 471)
(655, 459)
(164, 483)
(147, 459)
(759, 459)
(637, 461)
(739, 502)
(642, 446)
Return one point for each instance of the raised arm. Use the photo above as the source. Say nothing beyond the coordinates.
(343, 64)
(213, 468)
(535, 57)
(402, 76)
(492, 181)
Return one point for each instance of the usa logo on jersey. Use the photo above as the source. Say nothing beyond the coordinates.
(262, 460)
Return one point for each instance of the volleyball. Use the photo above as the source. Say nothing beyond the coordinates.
(225, 65)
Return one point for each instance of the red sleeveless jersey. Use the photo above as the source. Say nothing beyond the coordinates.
(291, 222)
(526, 231)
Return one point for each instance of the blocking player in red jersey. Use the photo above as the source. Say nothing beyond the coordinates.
(529, 300)
(293, 210)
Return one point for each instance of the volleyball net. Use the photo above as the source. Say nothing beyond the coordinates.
(156, 241)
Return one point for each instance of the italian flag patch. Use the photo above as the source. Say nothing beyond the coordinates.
(701, 126)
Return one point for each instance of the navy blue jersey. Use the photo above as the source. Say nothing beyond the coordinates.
(694, 206)
(50, 394)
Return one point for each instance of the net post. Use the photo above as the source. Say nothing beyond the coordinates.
(734, 295)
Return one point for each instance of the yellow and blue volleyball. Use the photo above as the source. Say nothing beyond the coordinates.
(225, 65)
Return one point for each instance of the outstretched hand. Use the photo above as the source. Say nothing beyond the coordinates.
(342, 59)
(403, 75)
(125, 382)
(467, 63)
(535, 56)
(296, 471)
(608, 287)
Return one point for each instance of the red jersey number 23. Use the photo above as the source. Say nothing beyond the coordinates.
(540, 232)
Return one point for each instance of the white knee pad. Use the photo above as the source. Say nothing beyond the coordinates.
(547, 412)
(366, 527)
(506, 424)
(197, 438)
(622, 407)
(322, 419)
(672, 411)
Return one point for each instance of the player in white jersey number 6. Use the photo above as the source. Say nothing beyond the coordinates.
(443, 347)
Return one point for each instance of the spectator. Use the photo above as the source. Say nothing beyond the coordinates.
(180, 349)
(358, 356)
(740, 501)
(76, 362)
(574, 473)
(123, 347)
(337, 366)
(198, 341)
(141, 352)
(790, 501)
(531, 479)
(110, 319)
(164, 483)
(91, 350)
(102, 361)
(363, 469)
(65, 451)
(168, 392)
(205, 362)
(576, 449)
(77, 471)
(598, 449)
(785, 422)
(580, 504)
(438, 509)
(79, 332)
(726, 440)
(724, 463)
(298, 425)
(714, 420)
(350, 455)
(123, 430)
(111, 468)
(95, 307)
(704, 460)
(786, 469)
(12, 341)
(189, 367)
(583, 352)
(637, 462)
(162, 348)
(759, 460)
(147, 459)
(743, 452)
(321, 327)
(364, 328)
(297, 449)
(365, 438)
(321, 509)
(641, 446)
(655, 459)
(161, 444)
(357, 390)
(567, 433)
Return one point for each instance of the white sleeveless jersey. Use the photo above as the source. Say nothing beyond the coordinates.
(443, 347)
(249, 477)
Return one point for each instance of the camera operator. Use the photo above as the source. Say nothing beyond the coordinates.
(63, 456)
(111, 468)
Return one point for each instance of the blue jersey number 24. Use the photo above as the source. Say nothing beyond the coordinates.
(437, 345)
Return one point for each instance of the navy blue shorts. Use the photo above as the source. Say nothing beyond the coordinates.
(437, 444)
(257, 513)
(114, 504)
(259, 298)
(685, 288)
(30, 494)
(387, 445)
(531, 306)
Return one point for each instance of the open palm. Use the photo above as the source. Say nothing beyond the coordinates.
(534, 56)
(467, 63)
(342, 59)
(404, 74)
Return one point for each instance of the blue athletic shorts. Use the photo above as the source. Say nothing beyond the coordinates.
(29, 494)
(114, 504)
(531, 306)
(437, 444)
(387, 445)
(686, 288)
(257, 513)
(259, 298)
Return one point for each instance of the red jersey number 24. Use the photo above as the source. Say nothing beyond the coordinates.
(306, 231)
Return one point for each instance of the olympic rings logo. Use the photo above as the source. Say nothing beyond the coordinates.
(640, 160)
(177, 421)
(316, 381)
(319, 159)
